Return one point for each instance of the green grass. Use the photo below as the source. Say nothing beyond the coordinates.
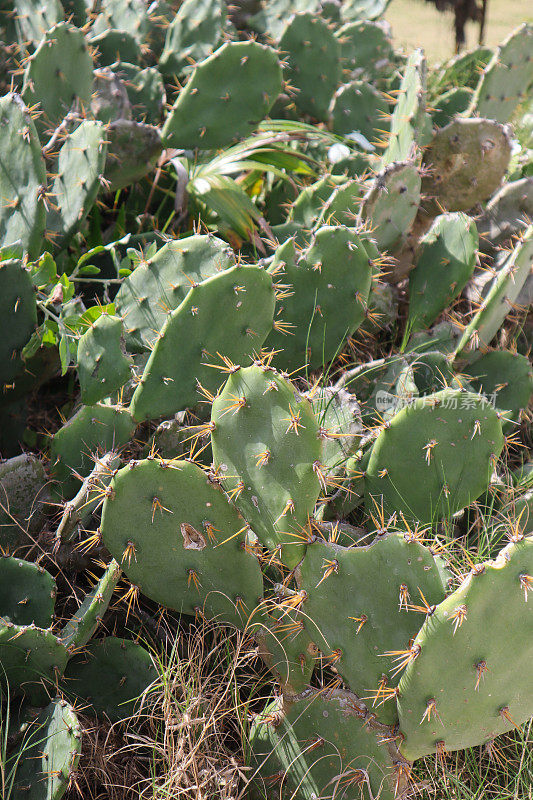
(418, 24)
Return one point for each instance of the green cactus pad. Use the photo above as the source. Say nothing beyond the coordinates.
(486, 685)
(267, 449)
(112, 46)
(50, 80)
(132, 152)
(466, 162)
(79, 629)
(505, 378)
(435, 457)
(501, 296)
(159, 285)
(93, 429)
(49, 754)
(341, 428)
(32, 660)
(374, 587)
(146, 91)
(124, 15)
(110, 676)
(319, 747)
(410, 124)
(453, 102)
(192, 35)
(196, 331)
(391, 204)
(343, 205)
(18, 309)
(33, 18)
(272, 17)
(103, 366)
(27, 593)
(307, 207)
(200, 564)
(507, 213)
(312, 57)
(287, 648)
(507, 78)
(444, 264)
(23, 496)
(353, 10)
(22, 178)
(79, 172)
(226, 97)
(318, 316)
(357, 106)
(365, 46)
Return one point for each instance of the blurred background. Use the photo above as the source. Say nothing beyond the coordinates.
(419, 24)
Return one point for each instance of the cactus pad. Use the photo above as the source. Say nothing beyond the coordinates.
(50, 753)
(110, 675)
(435, 457)
(267, 450)
(318, 317)
(180, 541)
(22, 178)
(158, 286)
(50, 79)
(27, 593)
(375, 588)
(311, 53)
(103, 366)
(466, 162)
(93, 429)
(320, 746)
(444, 264)
(391, 204)
(196, 331)
(226, 97)
(18, 307)
(486, 687)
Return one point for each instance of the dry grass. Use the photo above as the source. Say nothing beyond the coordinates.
(418, 24)
(188, 739)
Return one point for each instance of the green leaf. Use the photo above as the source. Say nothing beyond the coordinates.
(44, 271)
(89, 270)
(68, 288)
(64, 354)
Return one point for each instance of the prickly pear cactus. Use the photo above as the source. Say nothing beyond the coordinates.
(445, 262)
(22, 179)
(312, 321)
(49, 753)
(182, 356)
(210, 552)
(312, 58)
(103, 366)
(466, 161)
(297, 749)
(483, 691)
(506, 79)
(226, 97)
(50, 79)
(275, 479)
(434, 457)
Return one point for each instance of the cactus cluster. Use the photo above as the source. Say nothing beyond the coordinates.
(278, 274)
